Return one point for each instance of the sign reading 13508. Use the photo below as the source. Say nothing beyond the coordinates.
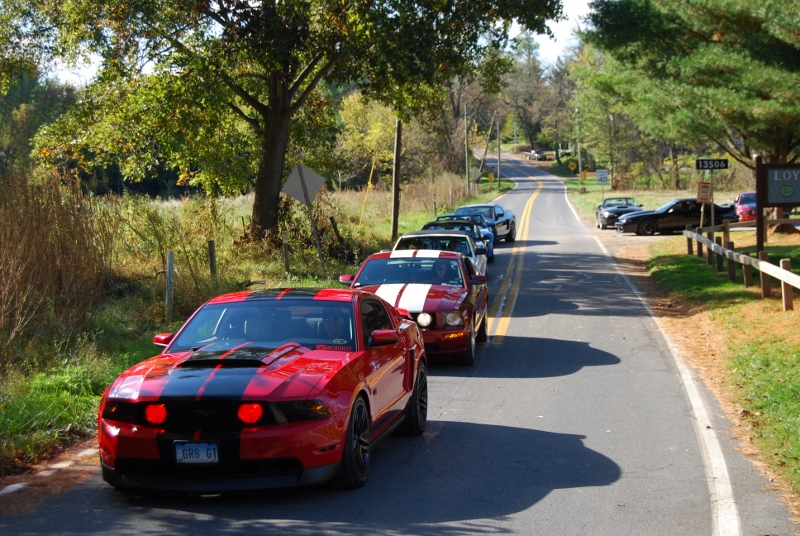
(711, 163)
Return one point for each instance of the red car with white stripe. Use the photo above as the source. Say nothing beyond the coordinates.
(265, 389)
(450, 308)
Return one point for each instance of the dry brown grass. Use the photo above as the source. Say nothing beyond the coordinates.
(53, 262)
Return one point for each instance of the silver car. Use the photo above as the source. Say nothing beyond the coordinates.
(459, 241)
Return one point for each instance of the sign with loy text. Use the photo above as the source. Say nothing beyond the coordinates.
(783, 185)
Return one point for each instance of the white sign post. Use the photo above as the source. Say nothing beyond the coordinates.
(602, 180)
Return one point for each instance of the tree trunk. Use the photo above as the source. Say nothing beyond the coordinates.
(269, 178)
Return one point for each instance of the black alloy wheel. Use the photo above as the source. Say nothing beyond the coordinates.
(647, 228)
(512, 233)
(357, 447)
(417, 413)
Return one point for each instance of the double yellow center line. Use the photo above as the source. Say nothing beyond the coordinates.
(503, 306)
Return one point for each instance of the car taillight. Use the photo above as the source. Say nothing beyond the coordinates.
(155, 413)
(250, 413)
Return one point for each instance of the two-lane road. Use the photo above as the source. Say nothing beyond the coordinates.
(575, 419)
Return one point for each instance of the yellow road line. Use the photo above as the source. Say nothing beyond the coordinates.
(507, 297)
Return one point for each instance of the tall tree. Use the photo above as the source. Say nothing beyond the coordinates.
(525, 90)
(263, 60)
(725, 70)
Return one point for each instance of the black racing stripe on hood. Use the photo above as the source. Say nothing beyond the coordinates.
(208, 373)
(186, 382)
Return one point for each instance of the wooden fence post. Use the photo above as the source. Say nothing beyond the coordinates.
(212, 259)
(731, 264)
(766, 291)
(689, 243)
(747, 271)
(719, 256)
(710, 252)
(786, 289)
(285, 240)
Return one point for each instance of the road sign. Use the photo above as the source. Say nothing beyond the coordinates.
(602, 176)
(711, 163)
(303, 184)
(572, 166)
(704, 193)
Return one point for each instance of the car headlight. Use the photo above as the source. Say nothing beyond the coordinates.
(452, 319)
(606, 214)
(424, 319)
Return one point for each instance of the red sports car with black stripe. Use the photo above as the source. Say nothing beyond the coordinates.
(265, 389)
(442, 290)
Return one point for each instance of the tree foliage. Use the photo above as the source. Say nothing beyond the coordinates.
(722, 70)
(263, 62)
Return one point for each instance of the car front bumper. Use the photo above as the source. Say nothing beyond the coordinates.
(287, 455)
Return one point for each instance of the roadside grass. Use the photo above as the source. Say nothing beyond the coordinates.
(43, 409)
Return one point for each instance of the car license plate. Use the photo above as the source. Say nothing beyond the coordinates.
(186, 452)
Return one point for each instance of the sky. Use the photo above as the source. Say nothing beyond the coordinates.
(549, 49)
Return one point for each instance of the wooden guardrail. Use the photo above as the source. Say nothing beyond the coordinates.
(721, 248)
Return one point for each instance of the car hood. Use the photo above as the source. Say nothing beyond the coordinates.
(639, 214)
(621, 210)
(417, 297)
(244, 372)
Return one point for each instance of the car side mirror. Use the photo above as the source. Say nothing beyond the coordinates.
(383, 337)
(480, 250)
(477, 280)
(346, 279)
(162, 340)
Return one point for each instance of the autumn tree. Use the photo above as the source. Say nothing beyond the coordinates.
(263, 62)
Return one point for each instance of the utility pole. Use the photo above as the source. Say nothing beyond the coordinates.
(398, 144)
(580, 161)
(466, 148)
(498, 153)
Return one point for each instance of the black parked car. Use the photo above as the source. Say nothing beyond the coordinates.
(674, 215)
(612, 208)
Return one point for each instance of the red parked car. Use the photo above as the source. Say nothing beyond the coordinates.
(265, 389)
(746, 206)
(442, 290)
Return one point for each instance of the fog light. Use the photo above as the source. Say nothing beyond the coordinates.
(155, 413)
(250, 413)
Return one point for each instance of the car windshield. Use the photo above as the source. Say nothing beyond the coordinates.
(410, 270)
(466, 226)
(486, 212)
(459, 244)
(264, 325)
(618, 202)
(666, 206)
(747, 199)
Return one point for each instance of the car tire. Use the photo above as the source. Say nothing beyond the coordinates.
(417, 413)
(468, 357)
(482, 336)
(512, 233)
(647, 228)
(490, 259)
(602, 225)
(357, 448)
